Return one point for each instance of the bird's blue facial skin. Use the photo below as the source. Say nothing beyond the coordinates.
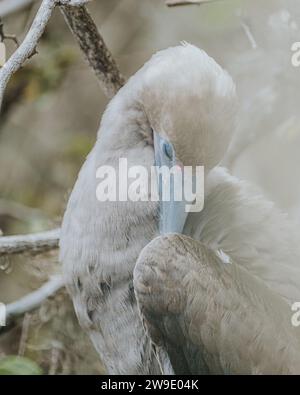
(172, 213)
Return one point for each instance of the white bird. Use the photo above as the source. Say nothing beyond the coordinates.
(179, 108)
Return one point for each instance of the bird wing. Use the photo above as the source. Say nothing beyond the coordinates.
(239, 223)
(210, 316)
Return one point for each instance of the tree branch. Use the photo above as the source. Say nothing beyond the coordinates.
(35, 298)
(5, 36)
(33, 243)
(175, 3)
(94, 48)
(28, 46)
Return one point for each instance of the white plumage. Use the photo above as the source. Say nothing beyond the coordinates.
(185, 97)
(238, 220)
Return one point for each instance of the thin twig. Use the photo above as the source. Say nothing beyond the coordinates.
(34, 299)
(33, 243)
(5, 36)
(94, 48)
(73, 3)
(175, 3)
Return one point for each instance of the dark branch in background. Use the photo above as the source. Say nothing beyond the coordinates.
(94, 48)
(5, 36)
(175, 3)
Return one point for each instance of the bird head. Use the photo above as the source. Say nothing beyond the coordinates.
(190, 103)
(183, 102)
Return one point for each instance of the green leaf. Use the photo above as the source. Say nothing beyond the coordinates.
(14, 365)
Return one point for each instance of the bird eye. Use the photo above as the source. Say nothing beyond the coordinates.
(168, 150)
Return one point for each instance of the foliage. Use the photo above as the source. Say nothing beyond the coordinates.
(15, 365)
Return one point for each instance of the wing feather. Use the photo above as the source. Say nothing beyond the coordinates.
(219, 318)
(238, 221)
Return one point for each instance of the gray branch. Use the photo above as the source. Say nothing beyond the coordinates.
(88, 38)
(28, 46)
(94, 48)
(35, 298)
(33, 243)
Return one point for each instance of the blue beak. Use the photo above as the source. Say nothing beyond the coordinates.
(172, 209)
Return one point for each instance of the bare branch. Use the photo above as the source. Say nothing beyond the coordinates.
(5, 36)
(8, 7)
(94, 48)
(34, 243)
(74, 3)
(175, 3)
(87, 35)
(28, 46)
(35, 298)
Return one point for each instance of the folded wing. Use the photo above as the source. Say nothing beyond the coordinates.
(209, 316)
